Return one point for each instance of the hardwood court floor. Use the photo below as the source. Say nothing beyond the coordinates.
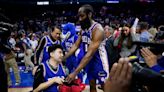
(29, 89)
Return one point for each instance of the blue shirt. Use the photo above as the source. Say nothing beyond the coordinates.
(145, 36)
(159, 66)
(49, 42)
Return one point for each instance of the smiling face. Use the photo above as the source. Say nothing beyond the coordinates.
(56, 33)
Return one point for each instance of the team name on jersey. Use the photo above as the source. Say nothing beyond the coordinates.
(86, 39)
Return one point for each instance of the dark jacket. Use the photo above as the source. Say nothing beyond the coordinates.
(113, 52)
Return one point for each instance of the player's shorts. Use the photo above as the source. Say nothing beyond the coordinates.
(96, 70)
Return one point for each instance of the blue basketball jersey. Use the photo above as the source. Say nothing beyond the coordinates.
(48, 43)
(50, 73)
(98, 67)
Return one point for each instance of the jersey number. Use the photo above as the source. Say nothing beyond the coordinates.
(86, 47)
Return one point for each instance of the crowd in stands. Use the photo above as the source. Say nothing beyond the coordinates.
(121, 29)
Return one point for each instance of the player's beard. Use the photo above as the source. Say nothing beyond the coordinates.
(85, 24)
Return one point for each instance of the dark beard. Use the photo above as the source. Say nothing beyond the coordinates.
(85, 24)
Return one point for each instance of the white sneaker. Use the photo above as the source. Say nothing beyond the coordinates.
(17, 83)
(25, 71)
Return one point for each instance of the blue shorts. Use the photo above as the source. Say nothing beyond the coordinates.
(95, 70)
(98, 67)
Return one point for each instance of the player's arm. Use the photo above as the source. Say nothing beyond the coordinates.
(97, 37)
(74, 47)
(39, 49)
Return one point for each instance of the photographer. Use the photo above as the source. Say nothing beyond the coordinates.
(125, 78)
(8, 54)
(152, 60)
(3, 37)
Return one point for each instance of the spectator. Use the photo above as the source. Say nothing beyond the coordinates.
(33, 42)
(145, 36)
(50, 73)
(27, 52)
(124, 42)
(112, 51)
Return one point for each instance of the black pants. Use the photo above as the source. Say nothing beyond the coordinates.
(3, 77)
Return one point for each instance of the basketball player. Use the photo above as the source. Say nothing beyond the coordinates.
(92, 54)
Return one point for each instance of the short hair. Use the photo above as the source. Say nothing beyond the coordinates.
(54, 27)
(161, 28)
(87, 8)
(111, 30)
(143, 25)
(126, 25)
(54, 47)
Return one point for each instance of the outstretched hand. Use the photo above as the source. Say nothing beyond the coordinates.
(120, 77)
(70, 77)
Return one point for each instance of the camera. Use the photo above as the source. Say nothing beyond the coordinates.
(5, 28)
(5, 31)
(144, 78)
(155, 47)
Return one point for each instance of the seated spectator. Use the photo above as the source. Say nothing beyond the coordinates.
(50, 73)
